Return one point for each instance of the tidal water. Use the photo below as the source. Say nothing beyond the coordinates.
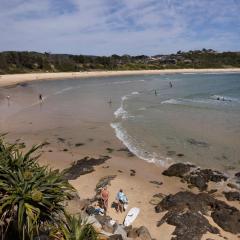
(196, 120)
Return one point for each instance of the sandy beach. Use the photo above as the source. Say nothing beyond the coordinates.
(90, 135)
(10, 79)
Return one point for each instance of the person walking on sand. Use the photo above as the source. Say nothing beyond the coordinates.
(104, 197)
(40, 97)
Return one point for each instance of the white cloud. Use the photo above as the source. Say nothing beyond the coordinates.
(119, 26)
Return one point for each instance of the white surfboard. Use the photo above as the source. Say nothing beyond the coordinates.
(131, 216)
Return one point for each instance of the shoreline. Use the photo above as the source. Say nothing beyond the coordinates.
(142, 181)
(12, 79)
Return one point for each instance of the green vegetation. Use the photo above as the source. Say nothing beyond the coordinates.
(24, 62)
(32, 197)
(74, 228)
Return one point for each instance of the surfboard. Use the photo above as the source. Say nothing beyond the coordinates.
(131, 216)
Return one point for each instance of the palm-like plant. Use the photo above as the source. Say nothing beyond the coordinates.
(30, 195)
(74, 228)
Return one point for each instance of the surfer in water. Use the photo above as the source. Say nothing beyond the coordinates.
(170, 84)
(155, 92)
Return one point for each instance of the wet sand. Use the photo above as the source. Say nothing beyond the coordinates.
(93, 139)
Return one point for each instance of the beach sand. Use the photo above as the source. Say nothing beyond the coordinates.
(10, 79)
(96, 138)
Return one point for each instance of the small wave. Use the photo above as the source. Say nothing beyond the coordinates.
(135, 93)
(135, 147)
(63, 90)
(171, 101)
(121, 112)
(224, 98)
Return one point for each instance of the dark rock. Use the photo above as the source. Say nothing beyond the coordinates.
(211, 175)
(196, 177)
(84, 166)
(104, 182)
(143, 233)
(132, 233)
(189, 225)
(199, 182)
(177, 170)
(110, 150)
(105, 223)
(197, 143)
(156, 182)
(212, 191)
(116, 237)
(233, 185)
(79, 144)
(61, 139)
(232, 196)
(129, 153)
(180, 155)
(227, 217)
(237, 174)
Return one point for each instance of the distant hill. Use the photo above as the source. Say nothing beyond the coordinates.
(25, 62)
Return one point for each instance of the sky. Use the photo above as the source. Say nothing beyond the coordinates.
(106, 27)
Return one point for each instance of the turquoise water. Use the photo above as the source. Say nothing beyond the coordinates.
(197, 120)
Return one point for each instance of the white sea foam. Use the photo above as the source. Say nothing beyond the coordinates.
(133, 145)
(171, 101)
(225, 98)
(135, 93)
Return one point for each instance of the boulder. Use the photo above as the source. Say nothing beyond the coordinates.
(186, 211)
(143, 233)
(237, 174)
(232, 196)
(199, 182)
(177, 170)
(116, 237)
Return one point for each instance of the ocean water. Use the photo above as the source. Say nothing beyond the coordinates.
(197, 120)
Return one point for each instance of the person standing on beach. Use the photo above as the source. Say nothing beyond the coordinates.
(121, 200)
(104, 197)
(40, 98)
(8, 100)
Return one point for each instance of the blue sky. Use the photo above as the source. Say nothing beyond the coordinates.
(105, 27)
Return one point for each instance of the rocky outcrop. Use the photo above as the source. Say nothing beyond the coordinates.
(232, 196)
(194, 176)
(84, 166)
(186, 211)
(141, 233)
(177, 170)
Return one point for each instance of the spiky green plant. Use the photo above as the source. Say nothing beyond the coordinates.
(30, 195)
(75, 228)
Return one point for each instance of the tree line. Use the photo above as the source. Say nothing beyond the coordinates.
(25, 62)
